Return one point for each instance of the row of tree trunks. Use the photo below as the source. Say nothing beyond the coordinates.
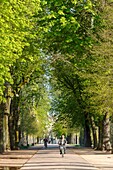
(102, 131)
(9, 117)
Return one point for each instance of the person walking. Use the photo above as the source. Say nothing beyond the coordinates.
(45, 142)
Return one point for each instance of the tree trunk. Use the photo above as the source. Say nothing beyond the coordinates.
(69, 138)
(94, 132)
(6, 141)
(13, 123)
(1, 128)
(81, 139)
(106, 134)
(100, 136)
(11, 131)
(87, 137)
(111, 126)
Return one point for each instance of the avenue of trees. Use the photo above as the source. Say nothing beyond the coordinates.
(56, 57)
(24, 104)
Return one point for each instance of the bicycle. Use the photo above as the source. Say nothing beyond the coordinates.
(62, 150)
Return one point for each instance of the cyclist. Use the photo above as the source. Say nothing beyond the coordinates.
(62, 142)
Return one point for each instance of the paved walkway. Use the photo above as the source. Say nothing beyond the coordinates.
(50, 159)
(78, 159)
(15, 159)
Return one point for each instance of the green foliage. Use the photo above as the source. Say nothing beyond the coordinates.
(103, 64)
(22, 62)
(34, 108)
(59, 128)
(68, 26)
(77, 36)
(16, 28)
(83, 67)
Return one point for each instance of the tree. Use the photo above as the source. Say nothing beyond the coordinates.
(31, 104)
(62, 33)
(17, 29)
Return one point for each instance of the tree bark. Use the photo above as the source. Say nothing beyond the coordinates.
(112, 135)
(13, 123)
(106, 134)
(94, 132)
(6, 142)
(1, 128)
(100, 136)
(6, 112)
(87, 136)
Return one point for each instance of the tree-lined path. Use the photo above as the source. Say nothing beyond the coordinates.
(56, 78)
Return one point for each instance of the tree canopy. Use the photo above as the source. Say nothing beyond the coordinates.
(59, 51)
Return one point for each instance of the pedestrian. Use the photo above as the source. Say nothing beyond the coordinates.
(45, 142)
